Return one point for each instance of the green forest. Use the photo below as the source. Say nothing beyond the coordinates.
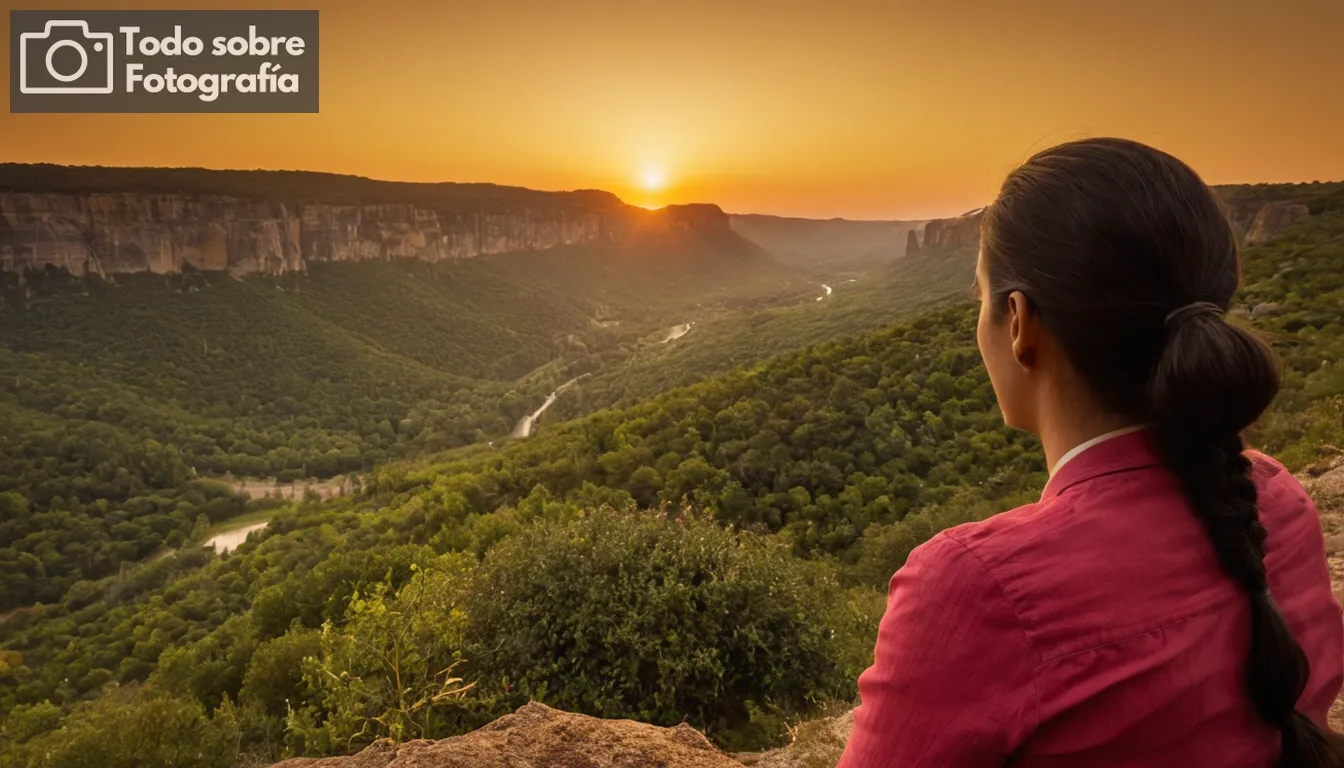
(699, 535)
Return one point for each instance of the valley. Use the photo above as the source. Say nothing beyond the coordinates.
(597, 474)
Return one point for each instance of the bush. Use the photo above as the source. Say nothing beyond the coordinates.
(135, 727)
(629, 614)
(388, 671)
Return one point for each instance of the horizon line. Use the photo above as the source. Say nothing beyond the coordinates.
(578, 189)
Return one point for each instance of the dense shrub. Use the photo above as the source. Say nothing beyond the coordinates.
(636, 614)
(134, 727)
(388, 670)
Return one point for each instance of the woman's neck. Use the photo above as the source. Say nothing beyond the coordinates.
(1062, 430)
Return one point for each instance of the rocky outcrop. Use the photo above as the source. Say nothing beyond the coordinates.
(112, 232)
(1272, 219)
(537, 736)
(816, 744)
(1266, 223)
(398, 231)
(912, 242)
(963, 232)
(109, 233)
(118, 233)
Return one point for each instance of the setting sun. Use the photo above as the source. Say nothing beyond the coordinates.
(653, 179)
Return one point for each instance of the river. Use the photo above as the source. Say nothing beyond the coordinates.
(677, 331)
(526, 424)
(227, 541)
(828, 292)
(263, 487)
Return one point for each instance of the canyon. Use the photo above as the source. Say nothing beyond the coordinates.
(110, 221)
(159, 222)
(826, 242)
(948, 234)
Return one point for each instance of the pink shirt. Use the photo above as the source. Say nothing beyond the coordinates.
(1093, 628)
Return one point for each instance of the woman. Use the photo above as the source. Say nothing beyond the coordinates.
(1167, 602)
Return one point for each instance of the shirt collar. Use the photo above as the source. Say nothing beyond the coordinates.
(1083, 446)
(1117, 451)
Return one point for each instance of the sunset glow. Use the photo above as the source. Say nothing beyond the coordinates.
(855, 109)
(653, 179)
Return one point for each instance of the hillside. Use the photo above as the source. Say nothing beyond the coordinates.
(720, 341)
(122, 393)
(133, 392)
(711, 554)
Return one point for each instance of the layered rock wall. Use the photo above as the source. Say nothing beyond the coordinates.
(151, 230)
(111, 233)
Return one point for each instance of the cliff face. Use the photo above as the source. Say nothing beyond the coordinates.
(110, 233)
(1272, 219)
(399, 231)
(106, 233)
(1266, 222)
(950, 234)
(912, 242)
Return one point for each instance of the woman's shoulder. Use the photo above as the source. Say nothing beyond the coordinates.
(998, 536)
(1271, 476)
(981, 552)
(1265, 467)
(1281, 497)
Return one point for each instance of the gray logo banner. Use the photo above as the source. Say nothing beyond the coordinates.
(163, 61)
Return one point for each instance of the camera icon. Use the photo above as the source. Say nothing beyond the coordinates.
(38, 68)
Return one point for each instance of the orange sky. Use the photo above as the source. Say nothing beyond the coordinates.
(889, 109)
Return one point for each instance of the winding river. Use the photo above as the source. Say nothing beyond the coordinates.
(229, 540)
(525, 425)
(828, 292)
(677, 331)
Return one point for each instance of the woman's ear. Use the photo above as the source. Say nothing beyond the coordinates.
(1024, 328)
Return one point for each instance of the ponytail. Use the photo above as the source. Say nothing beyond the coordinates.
(1212, 380)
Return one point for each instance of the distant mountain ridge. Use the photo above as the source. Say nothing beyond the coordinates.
(107, 221)
(818, 242)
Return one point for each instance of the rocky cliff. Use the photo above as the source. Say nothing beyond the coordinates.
(949, 234)
(164, 223)
(1272, 219)
(1260, 222)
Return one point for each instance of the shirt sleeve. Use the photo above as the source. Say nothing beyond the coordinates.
(952, 682)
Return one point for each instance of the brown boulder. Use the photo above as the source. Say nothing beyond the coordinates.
(537, 736)
(816, 744)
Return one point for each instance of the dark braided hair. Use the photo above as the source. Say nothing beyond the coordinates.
(1130, 261)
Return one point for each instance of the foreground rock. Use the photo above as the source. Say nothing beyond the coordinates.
(816, 744)
(1325, 483)
(537, 736)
